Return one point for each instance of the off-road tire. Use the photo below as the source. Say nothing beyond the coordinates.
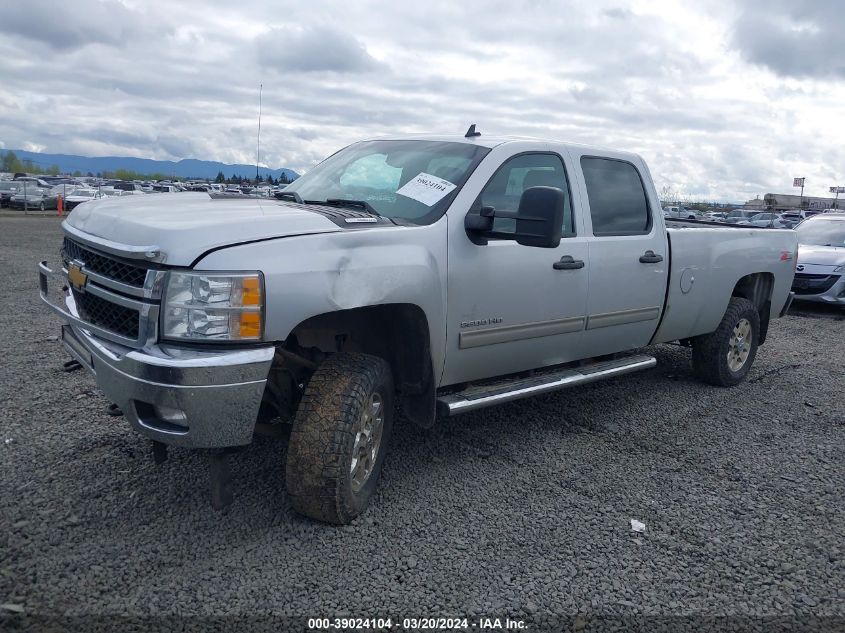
(319, 482)
(710, 351)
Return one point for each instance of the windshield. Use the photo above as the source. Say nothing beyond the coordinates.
(822, 232)
(410, 180)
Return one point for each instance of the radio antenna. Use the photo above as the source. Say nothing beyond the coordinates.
(258, 148)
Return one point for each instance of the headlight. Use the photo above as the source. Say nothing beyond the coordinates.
(213, 307)
(839, 269)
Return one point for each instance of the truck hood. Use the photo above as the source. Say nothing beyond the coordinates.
(185, 225)
(822, 255)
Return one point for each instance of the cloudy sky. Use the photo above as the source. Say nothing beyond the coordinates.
(725, 98)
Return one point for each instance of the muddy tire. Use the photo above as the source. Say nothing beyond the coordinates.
(724, 357)
(340, 437)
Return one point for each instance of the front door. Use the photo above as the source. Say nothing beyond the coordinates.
(510, 308)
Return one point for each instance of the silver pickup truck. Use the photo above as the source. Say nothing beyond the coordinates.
(415, 277)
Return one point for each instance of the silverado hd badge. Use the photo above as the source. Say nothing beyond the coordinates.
(490, 321)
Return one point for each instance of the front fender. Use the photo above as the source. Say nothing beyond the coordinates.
(309, 275)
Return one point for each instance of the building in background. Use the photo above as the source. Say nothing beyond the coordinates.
(785, 201)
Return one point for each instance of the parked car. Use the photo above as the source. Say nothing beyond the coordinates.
(681, 213)
(820, 273)
(79, 196)
(127, 187)
(38, 182)
(8, 188)
(34, 198)
(739, 216)
(792, 218)
(715, 216)
(766, 219)
(160, 188)
(417, 275)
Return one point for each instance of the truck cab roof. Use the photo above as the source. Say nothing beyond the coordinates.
(491, 141)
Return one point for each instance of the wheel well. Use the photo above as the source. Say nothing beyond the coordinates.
(757, 288)
(396, 332)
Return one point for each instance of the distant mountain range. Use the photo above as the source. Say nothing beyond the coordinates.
(185, 168)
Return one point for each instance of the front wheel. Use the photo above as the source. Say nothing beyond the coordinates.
(724, 357)
(340, 437)
(41, 207)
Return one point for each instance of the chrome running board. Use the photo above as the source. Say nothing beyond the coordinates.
(479, 396)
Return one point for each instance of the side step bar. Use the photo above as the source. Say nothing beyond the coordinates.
(479, 396)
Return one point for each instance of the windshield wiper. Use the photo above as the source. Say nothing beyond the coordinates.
(281, 195)
(343, 202)
(361, 204)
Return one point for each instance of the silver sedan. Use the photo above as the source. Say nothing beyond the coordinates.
(820, 270)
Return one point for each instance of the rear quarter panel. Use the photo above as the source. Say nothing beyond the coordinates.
(706, 264)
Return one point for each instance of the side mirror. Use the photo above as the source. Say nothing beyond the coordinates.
(538, 219)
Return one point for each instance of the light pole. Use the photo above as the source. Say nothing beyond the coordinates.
(258, 143)
(837, 191)
(799, 182)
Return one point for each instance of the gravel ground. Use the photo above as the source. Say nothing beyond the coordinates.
(521, 510)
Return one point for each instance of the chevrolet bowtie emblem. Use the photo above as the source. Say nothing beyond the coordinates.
(76, 277)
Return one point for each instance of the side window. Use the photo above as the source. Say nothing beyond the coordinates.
(505, 188)
(618, 204)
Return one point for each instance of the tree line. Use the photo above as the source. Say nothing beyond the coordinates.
(239, 180)
(12, 164)
(9, 162)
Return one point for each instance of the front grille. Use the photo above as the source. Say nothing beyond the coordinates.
(104, 265)
(806, 284)
(116, 318)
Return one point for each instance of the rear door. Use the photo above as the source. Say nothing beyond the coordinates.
(628, 253)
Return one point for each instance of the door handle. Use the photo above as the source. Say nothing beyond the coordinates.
(649, 257)
(567, 263)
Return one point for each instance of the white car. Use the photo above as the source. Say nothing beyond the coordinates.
(773, 220)
(78, 196)
(820, 271)
(681, 213)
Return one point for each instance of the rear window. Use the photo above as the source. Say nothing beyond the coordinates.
(618, 203)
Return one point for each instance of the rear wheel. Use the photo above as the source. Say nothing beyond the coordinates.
(724, 357)
(340, 437)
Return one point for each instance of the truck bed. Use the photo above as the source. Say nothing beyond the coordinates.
(706, 258)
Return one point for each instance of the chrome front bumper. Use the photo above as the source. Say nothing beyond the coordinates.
(175, 395)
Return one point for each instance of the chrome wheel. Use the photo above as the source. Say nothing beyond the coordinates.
(368, 433)
(739, 346)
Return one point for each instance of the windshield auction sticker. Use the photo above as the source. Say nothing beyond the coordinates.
(426, 188)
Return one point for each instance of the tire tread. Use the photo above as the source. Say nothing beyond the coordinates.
(322, 434)
(708, 357)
